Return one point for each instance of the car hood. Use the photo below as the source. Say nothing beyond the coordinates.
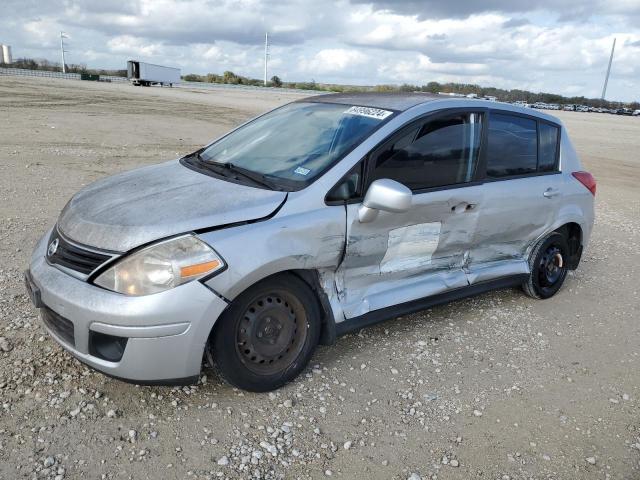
(133, 208)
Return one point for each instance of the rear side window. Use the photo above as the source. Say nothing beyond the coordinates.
(512, 147)
(432, 153)
(548, 150)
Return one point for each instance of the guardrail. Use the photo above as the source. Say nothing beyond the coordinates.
(113, 78)
(23, 72)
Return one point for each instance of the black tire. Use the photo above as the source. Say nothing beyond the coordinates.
(267, 335)
(548, 266)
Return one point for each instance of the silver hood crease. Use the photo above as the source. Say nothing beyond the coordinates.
(134, 208)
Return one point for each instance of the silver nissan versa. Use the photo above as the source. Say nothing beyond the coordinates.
(313, 220)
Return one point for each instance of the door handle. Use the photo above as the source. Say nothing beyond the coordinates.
(551, 192)
(463, 207)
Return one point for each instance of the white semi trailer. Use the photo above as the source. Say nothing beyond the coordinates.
(145, 74)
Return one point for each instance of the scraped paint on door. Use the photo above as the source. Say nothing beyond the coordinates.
(411, 247)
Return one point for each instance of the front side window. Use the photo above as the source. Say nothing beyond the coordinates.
(432, 153)
(512, 146)
(297, 142)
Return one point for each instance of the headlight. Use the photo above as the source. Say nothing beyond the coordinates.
(161, 266)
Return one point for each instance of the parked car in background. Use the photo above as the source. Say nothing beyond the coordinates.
(313, 220)
(522, 103)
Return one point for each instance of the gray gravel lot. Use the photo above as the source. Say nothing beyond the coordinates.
(499, 386)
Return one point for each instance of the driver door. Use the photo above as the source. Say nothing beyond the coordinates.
(404, 256)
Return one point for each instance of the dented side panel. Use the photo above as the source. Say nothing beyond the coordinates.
(412, 246)
(292, 240)
(400, 257)
(516, 214)
(513, 215)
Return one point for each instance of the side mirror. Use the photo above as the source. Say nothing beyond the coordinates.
(387, 195)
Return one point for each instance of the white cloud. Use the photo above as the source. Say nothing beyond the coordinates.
(545, 45)
(332, 60)
(43, 32)
(133, 46)
(422, 66)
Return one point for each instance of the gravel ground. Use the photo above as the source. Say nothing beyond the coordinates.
(499, 386)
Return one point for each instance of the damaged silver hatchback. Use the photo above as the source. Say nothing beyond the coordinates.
(313, 220)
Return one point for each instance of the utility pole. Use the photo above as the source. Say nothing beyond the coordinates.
(606, 79)
(62, 37)
(266, 55)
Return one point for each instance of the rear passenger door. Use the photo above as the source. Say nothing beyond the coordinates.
(522, 193)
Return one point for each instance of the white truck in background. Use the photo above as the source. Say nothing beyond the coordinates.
(146, 74)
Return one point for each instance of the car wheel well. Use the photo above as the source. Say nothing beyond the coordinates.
(572, 232)
(312, 280)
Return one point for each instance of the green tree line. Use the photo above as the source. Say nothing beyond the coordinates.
(430, 87)
(232, 78)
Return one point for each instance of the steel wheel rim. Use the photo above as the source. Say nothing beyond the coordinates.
(551, 266)
(272, 332)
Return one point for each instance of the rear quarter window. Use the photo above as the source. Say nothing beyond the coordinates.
(548, 149)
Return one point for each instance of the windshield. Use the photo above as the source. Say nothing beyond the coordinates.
(297, 142)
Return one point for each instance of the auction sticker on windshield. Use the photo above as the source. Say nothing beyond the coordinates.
(369, 112)
(302, 171)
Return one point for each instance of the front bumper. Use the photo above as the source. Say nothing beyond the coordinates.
(165, 333)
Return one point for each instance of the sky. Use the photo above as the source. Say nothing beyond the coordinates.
(558, 46)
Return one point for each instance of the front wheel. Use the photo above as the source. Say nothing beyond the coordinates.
(267, 335)
(548, 266)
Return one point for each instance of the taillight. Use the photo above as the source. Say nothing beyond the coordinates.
(586, 179)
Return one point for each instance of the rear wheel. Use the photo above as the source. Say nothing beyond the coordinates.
(548, 265)
(268, 334)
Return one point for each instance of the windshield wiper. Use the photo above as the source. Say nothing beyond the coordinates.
(255, 177)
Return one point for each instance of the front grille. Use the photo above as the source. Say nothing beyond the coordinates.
(72, 256)
(62, 327)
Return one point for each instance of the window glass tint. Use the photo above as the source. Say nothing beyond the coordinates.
(432, 154)
(548, 147)
(512, 146)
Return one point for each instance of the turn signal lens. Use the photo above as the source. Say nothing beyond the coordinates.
(199, 269)
(161, 266)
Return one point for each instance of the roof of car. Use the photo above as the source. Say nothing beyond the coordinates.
(389, 101)
(403, 101)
